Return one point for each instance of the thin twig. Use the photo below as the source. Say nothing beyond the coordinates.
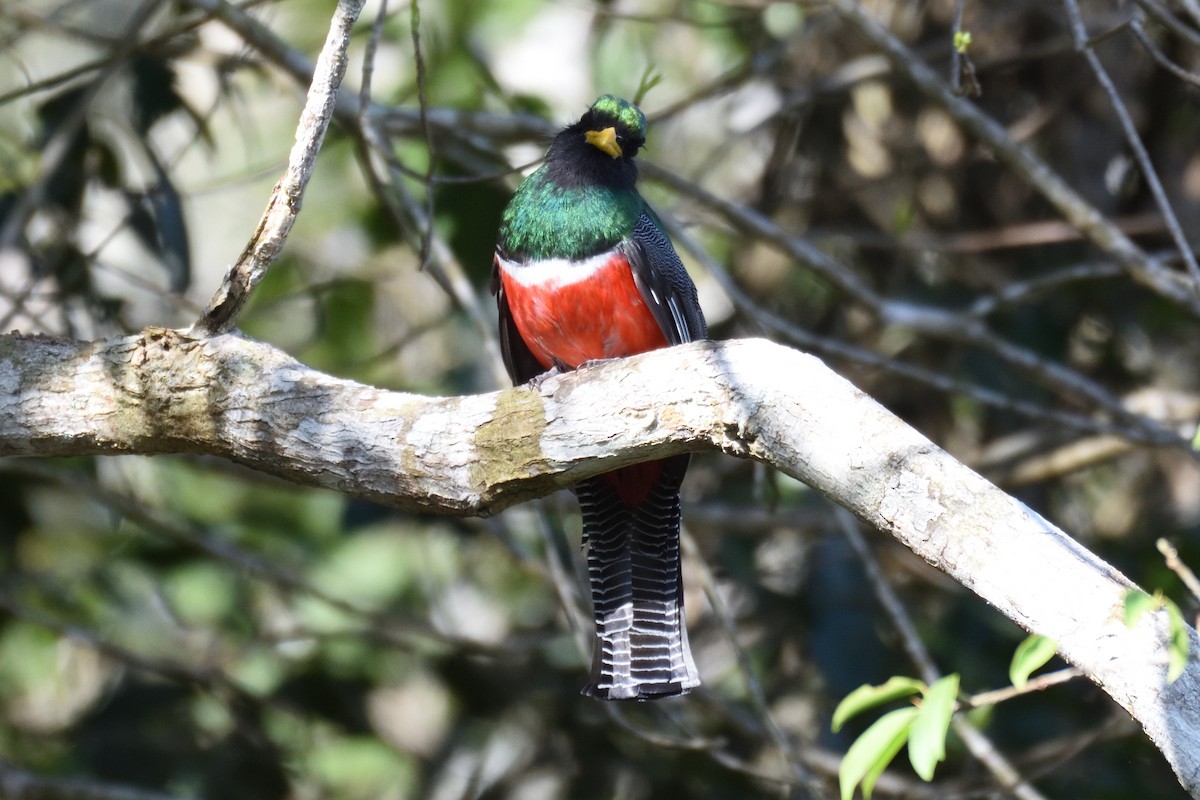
(1168, 20)
(955, 52)
(1136, 146)
(368, 66)
(276, 223)
(443, 265)
(960, 63)
(1193, 8)
(60, 145)
(1018, 292)
(431, 152)
(1037, 684)
(1049, 757)
(1139, 32)
(755, 224)
(1176, 565)
(1022, 160)
(805, 780)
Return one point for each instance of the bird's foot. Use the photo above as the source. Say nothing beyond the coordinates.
(596, 362)
(537, 380)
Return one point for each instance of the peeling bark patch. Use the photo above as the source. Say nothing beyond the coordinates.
(736, 439)
(910, 505)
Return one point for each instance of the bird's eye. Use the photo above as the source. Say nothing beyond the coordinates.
(629, 147)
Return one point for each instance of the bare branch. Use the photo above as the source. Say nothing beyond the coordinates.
(1136, 24)
(284, 204)
(1164, 17)
(1079, 32)
(1176, 565)
(1078, 211)
(1036, 684)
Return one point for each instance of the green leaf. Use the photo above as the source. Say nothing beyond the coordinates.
(870, 754)
(868, 696)
(1138, 603)
(1031, 655)
(927, 739)
(962, 40)
(1179, 646)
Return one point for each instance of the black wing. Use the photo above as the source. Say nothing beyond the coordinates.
(664, 282)
(518, 359)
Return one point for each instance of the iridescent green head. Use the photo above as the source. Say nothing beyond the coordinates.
(616, 126)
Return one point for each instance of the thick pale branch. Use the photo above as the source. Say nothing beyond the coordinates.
(160, 392)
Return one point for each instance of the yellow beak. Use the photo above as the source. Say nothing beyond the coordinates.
(606, 140)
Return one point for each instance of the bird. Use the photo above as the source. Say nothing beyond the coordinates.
(583, 271)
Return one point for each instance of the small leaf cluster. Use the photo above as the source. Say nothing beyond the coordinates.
(923, 726)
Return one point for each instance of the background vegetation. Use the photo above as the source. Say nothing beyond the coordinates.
(182, 627)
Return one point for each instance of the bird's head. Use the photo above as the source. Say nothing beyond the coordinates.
(600, 147)
(615, 127)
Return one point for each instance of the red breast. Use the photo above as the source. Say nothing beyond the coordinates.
(569, 313)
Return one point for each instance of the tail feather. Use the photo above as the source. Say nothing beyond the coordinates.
(637, 590)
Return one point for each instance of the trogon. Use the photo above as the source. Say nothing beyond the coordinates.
(583, 271)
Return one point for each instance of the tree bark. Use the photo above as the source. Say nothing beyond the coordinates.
(162, 392)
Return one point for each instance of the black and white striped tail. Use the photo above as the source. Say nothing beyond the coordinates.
(641, 649)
